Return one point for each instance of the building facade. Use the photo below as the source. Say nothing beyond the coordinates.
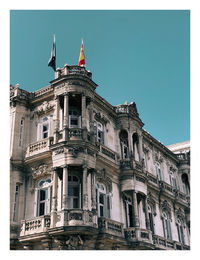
(85, 174)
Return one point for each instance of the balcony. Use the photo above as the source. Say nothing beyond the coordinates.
(110, 226)
(35, 225)
(133, 234)
(73, 70)
(76, 217)
(126, 164)
(167, 244)
(39, 147)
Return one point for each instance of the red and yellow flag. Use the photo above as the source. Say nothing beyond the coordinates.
(81, 57)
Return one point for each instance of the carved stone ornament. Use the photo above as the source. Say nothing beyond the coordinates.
(59, 151)
(40, 171)
(152, 202)
(157, 157)
(101, 118)
(74, 242)
(165, 206)
(45, 107)
(179, 213)
(103, 178)
(75, 150)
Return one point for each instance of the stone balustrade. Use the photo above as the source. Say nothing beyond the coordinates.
(126, 163)
(75, 133)
(35, 225)
(108, 152)
(110, 226)
(39, 147)
(167, 244)
(73, 70)
(43, 91)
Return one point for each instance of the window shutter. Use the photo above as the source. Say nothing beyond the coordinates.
(108, 206)
(164, 230)
(97, 200)
(39, 131)
(182, 235)
(36, 203)
(102, 137)
(51, 126)
(169, 229)
(47, 209)
(79, 121)
(80, 197)
(70, 121)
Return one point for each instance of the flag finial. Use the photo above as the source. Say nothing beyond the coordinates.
(82, 56)
(52, 60)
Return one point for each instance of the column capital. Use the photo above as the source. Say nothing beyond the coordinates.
(65, 166)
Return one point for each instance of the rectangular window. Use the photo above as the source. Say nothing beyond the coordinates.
(98, 130)
(16, 203)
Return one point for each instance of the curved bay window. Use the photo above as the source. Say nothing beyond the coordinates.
(180, 231)
(74, 192)
(43, 198)
(135, 146)
(124, 144)
(166, 225)
(103, 201)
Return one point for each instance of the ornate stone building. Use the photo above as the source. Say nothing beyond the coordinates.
(85, 174)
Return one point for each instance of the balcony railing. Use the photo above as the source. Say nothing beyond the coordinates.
(75, 133)
(73, 70)
(108, 152)
(39, 147)
(126, 163)
(167, 244)
(137, 234)
(110, 226)
(35, 225)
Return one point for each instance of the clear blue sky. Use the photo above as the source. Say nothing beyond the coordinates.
(141, 56)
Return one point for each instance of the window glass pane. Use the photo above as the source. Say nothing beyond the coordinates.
(42, 195)
(75, 203)
(101, 211)
(74, 121)
(45, 135)
(101, 198)
(41, 210)
(45, 128)
(75, 179)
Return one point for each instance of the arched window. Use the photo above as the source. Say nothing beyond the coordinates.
(166, 225)
(45, 127)
(74, 192)
(180, 231)
(151, 219)
(186, 186)
(158, 171)
(124, 143)
(135, 146)
(103, 201)
(98, 131)
(43, 194)
(173, 180)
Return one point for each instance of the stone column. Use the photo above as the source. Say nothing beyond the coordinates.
(56, 119)
(146, 213)
(65, 187)
(91, 119)
(66, 116)
(54, 198)
(85, 187)
(140, 148)
(135, 210)
(83, 105)
(93, 189)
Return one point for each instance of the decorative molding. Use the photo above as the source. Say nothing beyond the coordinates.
(102, 177)
(165, 206)
(40, 171)
(101, 118)
(75, 150)
(59, 151)
(44, 107)
(74, 242)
